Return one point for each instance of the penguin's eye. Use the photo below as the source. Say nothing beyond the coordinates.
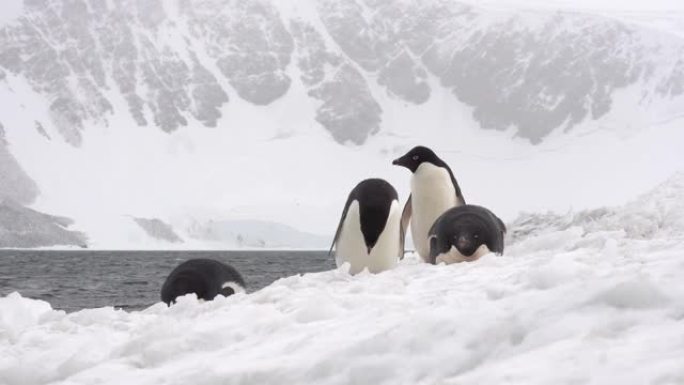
(415, 157)
(476, 236)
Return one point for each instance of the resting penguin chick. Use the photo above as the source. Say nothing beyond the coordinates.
(369, 233)
(207, 278)
(434, 190)
(466, 233)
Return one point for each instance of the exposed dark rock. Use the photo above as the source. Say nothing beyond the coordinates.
(349, 111)
(157, 229)
(251, 233)
(15, 184)
(23, 227)
(534, 72)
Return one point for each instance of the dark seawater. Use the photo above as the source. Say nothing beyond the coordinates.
(131, 280)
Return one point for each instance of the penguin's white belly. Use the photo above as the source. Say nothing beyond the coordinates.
(432, 193)
(351, 246)
(454, 256)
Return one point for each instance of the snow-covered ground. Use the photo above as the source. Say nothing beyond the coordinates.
(591, 298)
(11, 10)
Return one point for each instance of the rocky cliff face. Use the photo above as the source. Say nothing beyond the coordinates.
(23, 227)
(15, 185)
(177, 61)
(19, 225)
(161, 65)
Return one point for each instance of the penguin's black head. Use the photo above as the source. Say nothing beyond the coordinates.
(467, 228)
(416, 157)
(227, 291)
(468, 237)
(230, 288)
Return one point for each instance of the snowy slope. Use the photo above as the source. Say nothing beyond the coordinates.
(220, 110)
(12, 10)
(594, 299)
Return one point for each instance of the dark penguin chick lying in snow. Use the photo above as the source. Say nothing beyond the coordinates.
(207, 278)
(465, 233)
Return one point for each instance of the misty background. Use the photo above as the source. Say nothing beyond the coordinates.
(244, 124)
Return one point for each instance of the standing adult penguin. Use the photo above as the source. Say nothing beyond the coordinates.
(207, 278)
(434, 190)
(369, 232)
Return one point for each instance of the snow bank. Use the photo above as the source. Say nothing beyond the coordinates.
(592, 300)
(654, 214)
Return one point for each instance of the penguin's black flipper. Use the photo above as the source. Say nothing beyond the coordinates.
(405, 219)
(498, 227)
(432, 239)
(457, 188)
(501, 224)
(339, 226)
(502, 227)
(497, 245)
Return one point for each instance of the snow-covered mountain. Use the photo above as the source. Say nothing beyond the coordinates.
(186, 112)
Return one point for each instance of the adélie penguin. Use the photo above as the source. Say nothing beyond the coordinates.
(434, 190)
(369, 233)
(464, 234)
(204, 277)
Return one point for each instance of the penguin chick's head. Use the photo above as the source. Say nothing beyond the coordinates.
(417, 156)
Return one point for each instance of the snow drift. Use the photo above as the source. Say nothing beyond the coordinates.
(592, 298)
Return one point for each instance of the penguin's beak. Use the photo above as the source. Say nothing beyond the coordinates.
(463, 242)
(398, 162)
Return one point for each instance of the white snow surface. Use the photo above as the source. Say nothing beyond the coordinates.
(11, 10)
(595, 301)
